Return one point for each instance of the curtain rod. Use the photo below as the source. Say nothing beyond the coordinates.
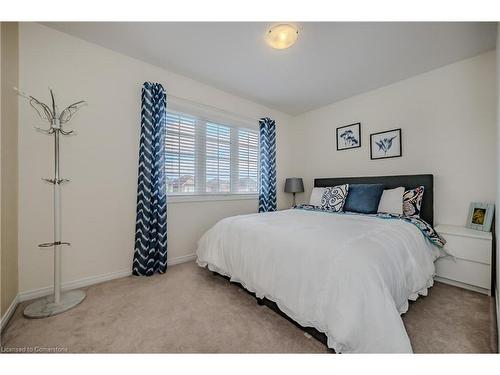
(254, 120)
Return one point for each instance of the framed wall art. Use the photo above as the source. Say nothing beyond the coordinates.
(349, 136)
(386, 144)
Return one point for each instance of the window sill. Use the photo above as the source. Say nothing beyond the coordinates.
(179, 198)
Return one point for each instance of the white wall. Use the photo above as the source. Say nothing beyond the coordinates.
(497, 218)
(9, 165)
(447, 118)
(99, 203)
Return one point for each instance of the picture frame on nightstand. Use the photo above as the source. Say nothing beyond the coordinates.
(480, 216)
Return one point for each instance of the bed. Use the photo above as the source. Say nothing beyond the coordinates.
(347, 276)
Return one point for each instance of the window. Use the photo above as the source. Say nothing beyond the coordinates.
(218, 158)
(206, 157)
(180, 157)
(248, 154)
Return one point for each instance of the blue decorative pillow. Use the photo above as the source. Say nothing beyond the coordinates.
(364, 198)
(333, 198)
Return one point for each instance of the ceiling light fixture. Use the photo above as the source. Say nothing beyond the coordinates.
(282, 36)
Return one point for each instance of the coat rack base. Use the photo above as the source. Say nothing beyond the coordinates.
(46, 307)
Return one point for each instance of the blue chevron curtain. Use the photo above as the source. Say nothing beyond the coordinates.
(150, 254)
(267, 185)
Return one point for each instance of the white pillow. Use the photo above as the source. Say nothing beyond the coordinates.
(316, 195)
(391, 201)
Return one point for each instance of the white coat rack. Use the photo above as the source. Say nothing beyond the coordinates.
(58, 302)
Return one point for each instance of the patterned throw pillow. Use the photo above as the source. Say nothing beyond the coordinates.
(412, 201)
(334, 197)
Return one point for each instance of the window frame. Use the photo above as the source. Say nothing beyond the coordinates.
(200, 160)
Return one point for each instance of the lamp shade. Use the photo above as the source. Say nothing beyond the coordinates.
(294, 185)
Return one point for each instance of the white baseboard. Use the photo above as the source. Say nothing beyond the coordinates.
(463, 285)
(8, 314)
(91, 280)
(182, 259)
(86, 281)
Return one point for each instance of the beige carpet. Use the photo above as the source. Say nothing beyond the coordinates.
(190, 310)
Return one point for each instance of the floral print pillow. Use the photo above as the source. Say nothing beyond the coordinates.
(412, 201)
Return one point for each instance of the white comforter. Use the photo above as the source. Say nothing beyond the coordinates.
(349, 276)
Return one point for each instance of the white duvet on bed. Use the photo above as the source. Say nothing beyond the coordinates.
(349, 276)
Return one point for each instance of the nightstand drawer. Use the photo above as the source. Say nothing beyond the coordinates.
(475, 249)
(472, 273)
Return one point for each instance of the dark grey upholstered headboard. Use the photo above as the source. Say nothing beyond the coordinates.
(390, 182)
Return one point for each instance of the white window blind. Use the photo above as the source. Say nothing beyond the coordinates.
(206, 157)
(248, 156)
(180, 156)
(218, 158)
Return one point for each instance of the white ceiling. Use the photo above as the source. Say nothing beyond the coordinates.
(330, 61)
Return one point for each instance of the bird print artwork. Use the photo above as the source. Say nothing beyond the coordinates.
(385, 144)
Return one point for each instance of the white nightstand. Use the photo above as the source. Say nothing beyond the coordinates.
(472, 267)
